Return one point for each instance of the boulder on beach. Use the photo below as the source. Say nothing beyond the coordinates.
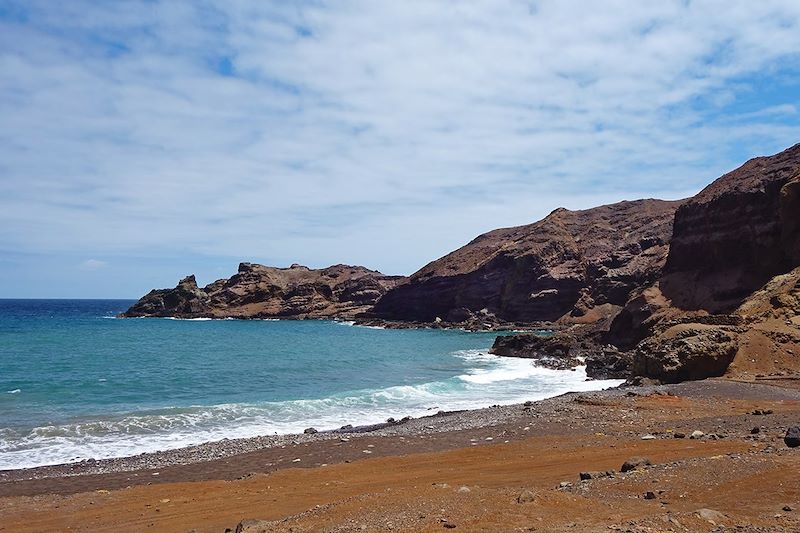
(792, 437)
(635, 462)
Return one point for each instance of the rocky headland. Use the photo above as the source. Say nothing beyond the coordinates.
(258, 291)
(665, 290)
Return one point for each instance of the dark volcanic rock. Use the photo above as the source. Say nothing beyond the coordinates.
(635, 462)
(609, 363)
(185, 299)
(735, 235)
(576, 265)
(792, 438)
(565, 350)
(686, 352)
(258, 291)
(550, 352)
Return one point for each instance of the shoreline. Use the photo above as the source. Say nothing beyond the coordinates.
(229, 447)
(441, 422)
(469, 468)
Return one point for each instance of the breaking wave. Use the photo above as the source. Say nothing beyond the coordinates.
(488, 380)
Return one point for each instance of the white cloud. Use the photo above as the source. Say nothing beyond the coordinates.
(385, 133)
(93, 264)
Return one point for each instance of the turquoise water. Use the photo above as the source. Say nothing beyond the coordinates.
(77, 383)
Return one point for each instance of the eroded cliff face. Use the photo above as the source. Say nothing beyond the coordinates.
(572, 265)
(258, 291)
(729, 291)
(735, 235)
(726, 302)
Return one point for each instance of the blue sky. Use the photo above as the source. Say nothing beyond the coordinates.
(144, 140)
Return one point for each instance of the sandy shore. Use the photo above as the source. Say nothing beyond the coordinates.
(465, 469)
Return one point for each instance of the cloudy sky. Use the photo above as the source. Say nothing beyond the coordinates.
(144, 140)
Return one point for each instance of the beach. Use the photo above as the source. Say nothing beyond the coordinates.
(496, 469)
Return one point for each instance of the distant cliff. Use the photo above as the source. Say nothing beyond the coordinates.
(572, 265)
(258, 291)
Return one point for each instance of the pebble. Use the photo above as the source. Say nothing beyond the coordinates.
(463, 490)
(649, 437)
(697, 434)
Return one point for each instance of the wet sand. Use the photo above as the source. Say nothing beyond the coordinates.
(463, 469)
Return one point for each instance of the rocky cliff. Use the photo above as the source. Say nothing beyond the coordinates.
(572, 265)
(725, 302)
(258, 291)
(735, 235)
(728, 293)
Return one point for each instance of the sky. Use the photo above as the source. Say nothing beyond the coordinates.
(141, 141)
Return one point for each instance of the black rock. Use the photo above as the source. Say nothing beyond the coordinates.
(635, 462)
(792, 438)
(310, 431)
(595, 475)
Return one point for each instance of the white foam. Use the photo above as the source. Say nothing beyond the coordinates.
(352, 323)
(489, 380)
(507, 371)
(15, 391)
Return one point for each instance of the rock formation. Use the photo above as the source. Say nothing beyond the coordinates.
(551, 352)
(669, 290)
(726, 301)
(729, 290)
(577, 266)
(258, 291)
(735, 235)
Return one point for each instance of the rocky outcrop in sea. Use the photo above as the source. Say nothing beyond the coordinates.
(258, 291)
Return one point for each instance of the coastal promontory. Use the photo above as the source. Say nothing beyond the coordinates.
(258, 291)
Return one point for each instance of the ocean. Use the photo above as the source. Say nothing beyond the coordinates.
(78, 383)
